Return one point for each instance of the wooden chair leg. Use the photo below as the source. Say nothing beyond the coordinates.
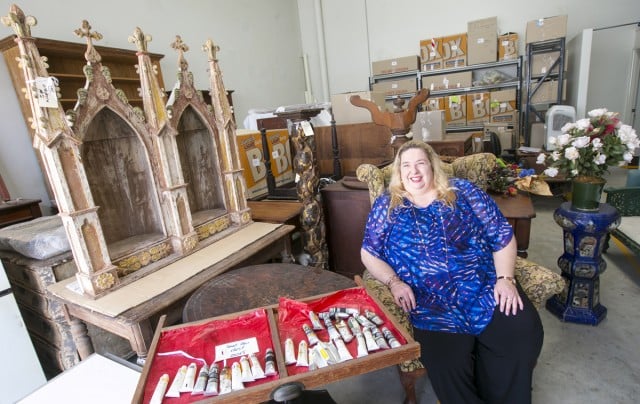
(408, 380)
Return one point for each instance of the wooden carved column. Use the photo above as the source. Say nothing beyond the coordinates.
(174, 201)
(305, 166)
(59, 148)
(232, 171)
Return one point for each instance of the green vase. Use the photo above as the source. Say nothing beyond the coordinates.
(586, 193)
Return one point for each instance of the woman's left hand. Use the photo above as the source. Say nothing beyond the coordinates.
(507, 296)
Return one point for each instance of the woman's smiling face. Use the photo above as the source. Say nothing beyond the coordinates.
(415, 171)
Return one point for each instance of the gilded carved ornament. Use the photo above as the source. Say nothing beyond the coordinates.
(20, 23)
(85, 32)
(140, 39)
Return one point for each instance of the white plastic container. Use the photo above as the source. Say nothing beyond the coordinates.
(556, 117)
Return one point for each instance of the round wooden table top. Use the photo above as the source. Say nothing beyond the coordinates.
(259, 285)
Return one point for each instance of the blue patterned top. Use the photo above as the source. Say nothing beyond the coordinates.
(444, 254)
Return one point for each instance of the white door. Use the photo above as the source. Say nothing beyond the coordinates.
(21, 372)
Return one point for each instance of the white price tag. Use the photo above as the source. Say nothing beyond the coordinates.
(306, 127)
(275, 154)
(46, 92)
(236, 348)
(256, 162)
(480, 40)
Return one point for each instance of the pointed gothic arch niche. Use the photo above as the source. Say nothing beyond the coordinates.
(121, 183)
(200, 167)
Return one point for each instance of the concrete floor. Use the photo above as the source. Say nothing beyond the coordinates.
(579, 363)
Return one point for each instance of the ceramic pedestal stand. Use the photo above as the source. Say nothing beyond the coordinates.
(581, 264)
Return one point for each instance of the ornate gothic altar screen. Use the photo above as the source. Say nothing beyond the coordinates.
(137, 188)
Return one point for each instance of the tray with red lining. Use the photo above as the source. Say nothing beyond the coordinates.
(269, 326)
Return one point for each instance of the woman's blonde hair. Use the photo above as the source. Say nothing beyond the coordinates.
(440, 177)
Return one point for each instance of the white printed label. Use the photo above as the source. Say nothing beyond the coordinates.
(237, 348)
(46, 92)
(480, 40)
(306, 127)
(256, 162)
(394, 63)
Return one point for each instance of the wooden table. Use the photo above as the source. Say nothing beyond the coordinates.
(281, 212)
(19, 210)
(519, 211)
(130, 310)
(259, 285)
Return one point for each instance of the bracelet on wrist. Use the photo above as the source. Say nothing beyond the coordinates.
(508, 278)
(393, 279)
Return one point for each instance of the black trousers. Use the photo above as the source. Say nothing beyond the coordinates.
(493, 367)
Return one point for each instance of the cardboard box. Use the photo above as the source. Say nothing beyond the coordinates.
(395, 87)
(508, 46)
(548, 93)
(397, 65)
(482, 41)
(544, 29)
(429, 125)
(503, 106)
(252, 159)
(447, 81)
(478, 109)
(455, 111)
(431, 54)
(541, 63)
(433, 104)
(454, 51)
(344, 112)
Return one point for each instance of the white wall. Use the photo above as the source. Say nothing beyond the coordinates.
(260, 57)
(610, 70)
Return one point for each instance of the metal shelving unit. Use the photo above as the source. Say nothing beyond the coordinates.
(514, 65)
(533, 83)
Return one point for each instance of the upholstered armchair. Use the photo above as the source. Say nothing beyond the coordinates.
(539, 283)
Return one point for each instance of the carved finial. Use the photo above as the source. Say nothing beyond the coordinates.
(181, 47)
(211, 49)
(140, 39)
(84, 31)
(20, 23)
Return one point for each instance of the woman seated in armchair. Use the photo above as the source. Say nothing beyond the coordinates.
(447, 255)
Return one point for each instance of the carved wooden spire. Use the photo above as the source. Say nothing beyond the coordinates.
(84, 31)
(181, 48)
(20, 23)
(212, 50)
(140, 39)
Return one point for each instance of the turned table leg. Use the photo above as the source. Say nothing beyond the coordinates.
(81, 338)
(408, 380)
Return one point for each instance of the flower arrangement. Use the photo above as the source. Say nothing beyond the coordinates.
(507, 178)
(589, 146)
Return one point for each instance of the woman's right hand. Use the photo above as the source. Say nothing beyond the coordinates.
(403, 295)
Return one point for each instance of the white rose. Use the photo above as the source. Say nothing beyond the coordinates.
(555, 155)
(567, 127)
(600, 159)
(583, 124)
(596, 143)
(541, 158)
(594, 113)
(563, 139)
(627, 157)
(580, 142)
(626, 133)
(551, 171)
(571, 153)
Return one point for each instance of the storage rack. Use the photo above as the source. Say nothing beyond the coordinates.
(513, 64)
(533, 83)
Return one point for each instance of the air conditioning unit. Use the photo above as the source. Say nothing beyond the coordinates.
(556, 117)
